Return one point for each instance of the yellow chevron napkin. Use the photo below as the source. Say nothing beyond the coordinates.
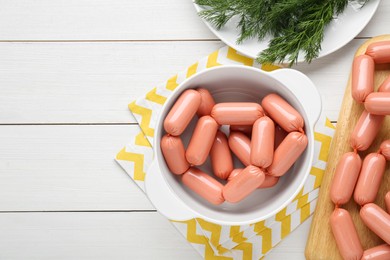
(214, 241)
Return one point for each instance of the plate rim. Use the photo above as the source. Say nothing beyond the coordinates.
(300, 58)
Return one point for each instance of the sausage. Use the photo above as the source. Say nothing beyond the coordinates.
(377, 220)
(268, 182)
(385, 149)
(237, 113)
(221, 158)
(387, 201)
(379, 51)
(204, 185)
(173, 151)
(182, 112)
(234, 173)
(282, 113)
(370, 178)
(206, 104)
(246, 129)
(365, 130)
(287, 153)
(262, 142)
(363, 69)
(280, 134)
(385, 86)
(240, 146)
(345, 234)
(378, 103)
(202, 140)
(243, 184)
(381, 252)
(345, 177)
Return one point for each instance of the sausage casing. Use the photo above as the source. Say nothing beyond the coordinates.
(182, 112)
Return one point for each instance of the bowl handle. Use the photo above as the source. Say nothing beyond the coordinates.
(162, 196)
(304, 89)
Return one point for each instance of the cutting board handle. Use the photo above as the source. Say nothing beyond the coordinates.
(305, 91)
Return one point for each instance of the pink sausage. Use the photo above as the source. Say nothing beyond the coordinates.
(366, 130)
(182, 112)
(381, 252)
(237, 113)
(379, 51)
(377, 220)
(287, 153)
(282, 113)
(345, 177)
(221, 159)
(246, 129)
(345, 234)
(268, 182)
(387, 201)
(280, 134)
(204, 185)
(202, 140)
(206, 104)
(370, 178)
(385, 86)
(262, 142)
(378, 103)
(174, 154)
(240, 146)
(243, 184)
(385, 149)
(363, 69)
(234, 173)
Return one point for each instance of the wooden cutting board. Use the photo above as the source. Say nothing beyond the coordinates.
(321, 244)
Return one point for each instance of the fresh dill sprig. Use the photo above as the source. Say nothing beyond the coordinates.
(295, 26)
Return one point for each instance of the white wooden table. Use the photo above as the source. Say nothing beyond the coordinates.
(68, 69)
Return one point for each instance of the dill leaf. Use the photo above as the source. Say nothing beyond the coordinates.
(296, 27)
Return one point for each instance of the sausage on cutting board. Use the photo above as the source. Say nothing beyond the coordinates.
(345, 178)
(363, 69)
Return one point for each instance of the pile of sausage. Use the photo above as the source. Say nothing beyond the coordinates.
(252, 138)
(363, 179)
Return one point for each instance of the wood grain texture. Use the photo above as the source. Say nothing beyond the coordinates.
(109, 235)
(57, 167)
(91, 235)
(94, 82)
(321, 244)
(86, 20)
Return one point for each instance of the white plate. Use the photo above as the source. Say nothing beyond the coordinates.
(338, 33)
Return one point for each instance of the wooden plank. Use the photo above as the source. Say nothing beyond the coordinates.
(321, 243)
(45, 168)
(91, 236)
(109, 236)
(119, 20)
(38, 79)
(101, 20)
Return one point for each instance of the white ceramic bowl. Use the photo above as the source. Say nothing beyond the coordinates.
(227, 84)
